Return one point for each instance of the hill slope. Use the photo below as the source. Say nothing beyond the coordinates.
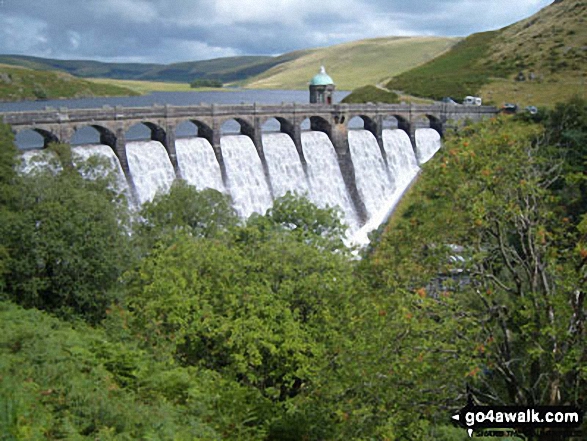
(224, 69)
(548, 48)
(26, 84)
(353, 64)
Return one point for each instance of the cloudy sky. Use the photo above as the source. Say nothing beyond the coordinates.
(166, 31)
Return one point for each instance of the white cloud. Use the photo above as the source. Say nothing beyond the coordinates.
(182, 30)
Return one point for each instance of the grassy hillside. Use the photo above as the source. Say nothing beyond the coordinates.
(225, 69)
(353, 64)
(538, 61)
(26, 84)
(456, 73)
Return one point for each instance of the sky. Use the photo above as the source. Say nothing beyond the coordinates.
(168, 31)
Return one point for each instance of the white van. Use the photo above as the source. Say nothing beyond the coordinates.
(472, 101)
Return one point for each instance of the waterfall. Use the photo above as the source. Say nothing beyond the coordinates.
(150, 169)
(379, 186)
(198, 164)
(327, 187)
(285, 167)
(371, 176)
(427, 143)
(403, 168)
(402, 162)
(83, 153)
(34, 161)
(246, 178)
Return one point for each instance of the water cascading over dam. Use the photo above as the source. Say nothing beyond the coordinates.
(380, 177)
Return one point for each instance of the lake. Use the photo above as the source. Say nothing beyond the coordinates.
(226, 96)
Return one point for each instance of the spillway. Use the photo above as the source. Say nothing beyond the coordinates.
(110, 164)
(402, 169)
(198, 164)
(150, 169)
(327, 187)
(33, 161)
(427, 144)
(371, 175)
(246, 179)
(285, 167)
(380, 182)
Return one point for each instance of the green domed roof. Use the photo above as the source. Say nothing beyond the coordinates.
(321, 79)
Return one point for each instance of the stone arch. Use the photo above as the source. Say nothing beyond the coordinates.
(389, 122)
(202, 129)
(27, 139)
(435, 123)
(285, 126)
(105, 135)
(368, 123)
(246, 128)
(319, 124)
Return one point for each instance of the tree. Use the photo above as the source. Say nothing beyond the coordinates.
(489, 224)
(206, 213)
(67, 243)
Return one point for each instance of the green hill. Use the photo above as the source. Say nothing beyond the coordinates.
(353, 64)
(18, 84)
(225, 69)
(539, 60)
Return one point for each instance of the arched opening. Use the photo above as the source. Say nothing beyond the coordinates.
(356, 123)
(435, 123)
(85, 135)
(231, 127)
(272, 125)
(305, 125)
(319, 124)
(187, 129)
(30, 139)
(421, 122)
(390, 123)
(138, 132)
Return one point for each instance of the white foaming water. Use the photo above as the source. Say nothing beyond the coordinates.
(427, 143)
(401, 160)
(403, 168)
(34, 161)
(150, 168)
(371, 175)
(85, 152)
(326, 183)
(284, 164)
(198, 164)
(246, 179)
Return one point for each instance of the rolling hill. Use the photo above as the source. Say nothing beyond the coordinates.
(353, 64)
(18, 83)
(225, 69)
(538, 61)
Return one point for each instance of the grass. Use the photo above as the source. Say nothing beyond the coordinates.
(17, 84)
(144, 87)
(353, 64)
(535, 93)
(371, 94)
(457, 73)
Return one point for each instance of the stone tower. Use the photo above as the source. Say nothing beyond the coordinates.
(321, 88)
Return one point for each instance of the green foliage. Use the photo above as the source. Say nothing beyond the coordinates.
(457, 73)
(304, 220)
(206, 83)
(371, 94)
(206, 213)
(517, 269)
(65, 242)
(62, 383)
